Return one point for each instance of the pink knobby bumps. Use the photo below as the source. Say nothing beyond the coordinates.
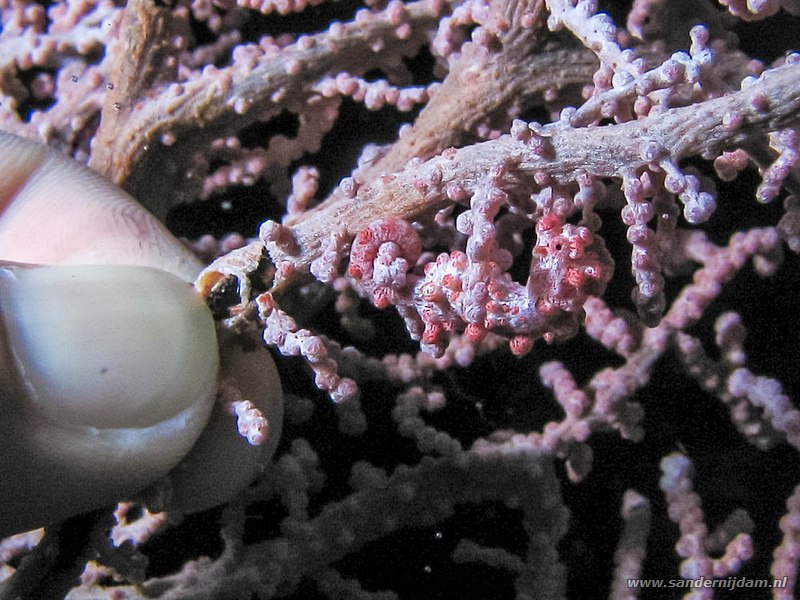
(381, 255)
(568, 266)
(471, 292)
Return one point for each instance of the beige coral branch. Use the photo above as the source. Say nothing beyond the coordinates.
(141, 57)
(138, 114)
(608, 151)
(223, 101)
(523, 64)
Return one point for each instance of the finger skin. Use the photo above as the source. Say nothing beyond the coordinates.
(54, 211)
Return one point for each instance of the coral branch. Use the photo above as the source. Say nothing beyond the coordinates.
(769, 104)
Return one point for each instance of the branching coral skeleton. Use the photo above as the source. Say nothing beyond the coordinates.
(556, 163)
